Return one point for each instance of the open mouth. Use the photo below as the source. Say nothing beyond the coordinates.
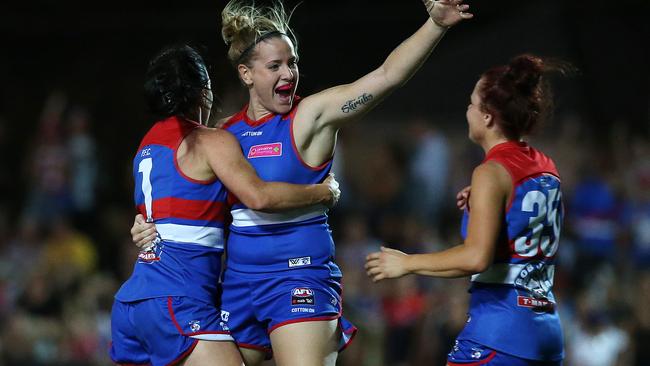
(285, 91)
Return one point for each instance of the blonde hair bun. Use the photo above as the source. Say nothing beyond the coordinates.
(243, 24)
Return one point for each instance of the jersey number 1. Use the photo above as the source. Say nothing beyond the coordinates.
(145, 168)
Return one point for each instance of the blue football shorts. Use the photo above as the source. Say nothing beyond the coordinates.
(256, 304)
(468, 353)
(162, 330)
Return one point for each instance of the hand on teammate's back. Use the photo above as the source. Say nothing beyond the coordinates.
(143, 233)
(462, 198)
(333, 185)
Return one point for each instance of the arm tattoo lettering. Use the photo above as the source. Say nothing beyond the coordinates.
(352, 105)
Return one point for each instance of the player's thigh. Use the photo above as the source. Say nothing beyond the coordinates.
(309, 343)
(252, 357)
(214, 353)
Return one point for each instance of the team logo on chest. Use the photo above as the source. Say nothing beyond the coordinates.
(265, 150)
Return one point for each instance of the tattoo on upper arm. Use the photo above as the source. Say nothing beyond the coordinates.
(352, 105)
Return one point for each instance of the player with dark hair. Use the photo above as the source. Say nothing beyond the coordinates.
(167, 312)
(511, 227)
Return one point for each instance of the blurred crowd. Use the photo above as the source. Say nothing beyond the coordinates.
(65, 245)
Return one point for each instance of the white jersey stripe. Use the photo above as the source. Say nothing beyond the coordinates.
(245, 217)
(212, 237)
(507, 273)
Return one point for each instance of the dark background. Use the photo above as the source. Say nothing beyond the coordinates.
(96, 53)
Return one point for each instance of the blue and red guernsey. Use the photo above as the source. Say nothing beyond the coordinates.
(512, 308)
(189, 217)
(253, 242)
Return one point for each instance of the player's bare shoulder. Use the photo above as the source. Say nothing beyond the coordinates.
(492, 170)
(215, 140)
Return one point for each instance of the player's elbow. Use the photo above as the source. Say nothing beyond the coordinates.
(254, 199)
(480, 267)
(391, 78)
(258, 201)
(477, 264)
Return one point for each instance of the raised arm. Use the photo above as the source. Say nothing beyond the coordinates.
(319, 116)
(223, 155)
(490, 190)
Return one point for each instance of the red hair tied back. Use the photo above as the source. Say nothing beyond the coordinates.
(519, 95)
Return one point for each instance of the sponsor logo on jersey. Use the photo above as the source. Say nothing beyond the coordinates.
(265, 150)
(195, 325)
(537, 278)
(151, 254)
(303, 310)
(252, 133)
(302, 296)
(299, 262)
(535, 304)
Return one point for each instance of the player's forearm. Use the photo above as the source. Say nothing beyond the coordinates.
(453, 273)
(408, 57)
(278, 196)
(458, 261)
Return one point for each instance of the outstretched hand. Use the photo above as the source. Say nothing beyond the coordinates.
(447, 13)
(388, 263)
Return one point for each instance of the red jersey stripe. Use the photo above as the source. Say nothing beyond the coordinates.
(186, 209)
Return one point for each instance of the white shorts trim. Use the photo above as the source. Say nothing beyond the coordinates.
(214, 337)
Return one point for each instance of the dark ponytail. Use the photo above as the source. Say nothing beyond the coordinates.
(175, 80)
(518, 93)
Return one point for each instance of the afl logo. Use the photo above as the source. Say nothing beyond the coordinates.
(302, 296)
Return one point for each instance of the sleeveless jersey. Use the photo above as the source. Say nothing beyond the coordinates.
(512, 307)
(270, 242)
(189, 215)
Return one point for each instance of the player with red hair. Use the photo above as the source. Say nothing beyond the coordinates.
(511, 227)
